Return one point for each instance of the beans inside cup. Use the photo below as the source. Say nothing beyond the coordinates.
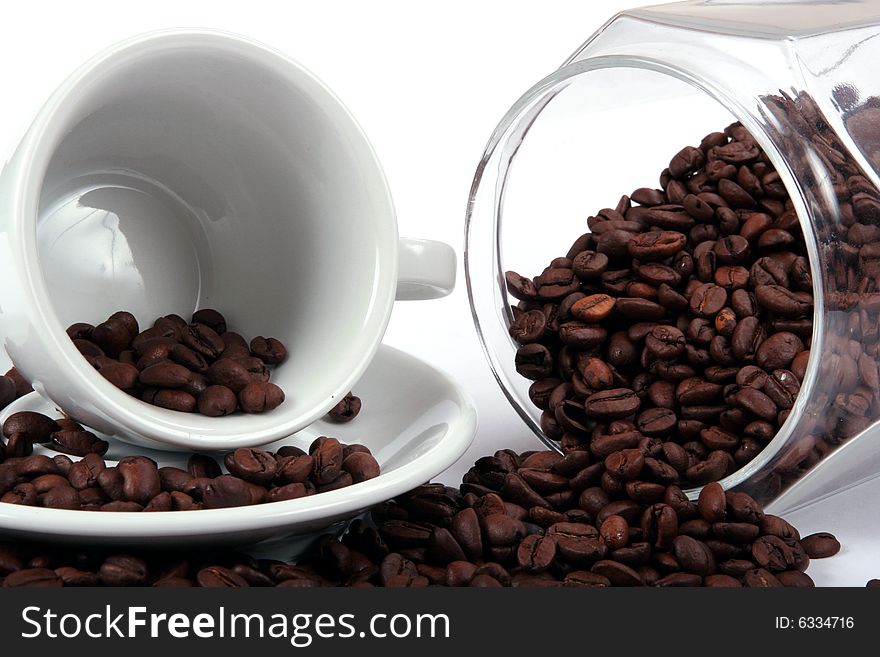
(197, 366)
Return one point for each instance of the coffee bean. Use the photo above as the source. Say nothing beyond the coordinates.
(140, 479)
(33, 577)
(687, 160)
(614, 403)
(694, 556)
(228, 491)
(123, 570)
(256, 466)
(617, 574)
(772, 553)
(520, 287)
(707, 300)
(346, 410)
(712, 503)
(112, 336)
(640, 309)
(781, 300)
(230, 374)
(593, 308)
(665, 342)
(36, 427)
(203, 339)
(210, 318)
(175, 400)
(165, 375)
(269, 350)
(656, 245)
(258, 397)
(220, 577)
(217, 400)
(534, 361)
(78, 443)
(361, 466)
(778, 351)
(820, 545)
(192, 360)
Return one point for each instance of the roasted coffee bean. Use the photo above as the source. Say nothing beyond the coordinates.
(361, 466)
(78, 443)
(707, 300)
(772, 553)
(593, 308)
(694, 556)
(534, 361)
(611, 404)
(220, 577)
(778, 351)
(165, 375)
(203, 339)
(190, 359)
(216, 401)
(656, 245)
(112, 336)
(256, 466)
(228, 491)
(210, 318)
(820, 545)
(229, 373)
(618, 574)
(123, 570)
(639, 309)
(665, 342)
(327, 459)
(294, 468)
(258, 397)
(36, 427)
(528, 327)
(686, 161)
(782, 301)
(346, 410)
(520, 287)
(234, 345)
(625, 464)
(121, 375)
(33, 577)
(175, 400)
(269, 350)
(140, 479)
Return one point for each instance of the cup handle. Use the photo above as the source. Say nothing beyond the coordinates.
(426, 269)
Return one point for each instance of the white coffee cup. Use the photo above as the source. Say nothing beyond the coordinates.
(195, 169)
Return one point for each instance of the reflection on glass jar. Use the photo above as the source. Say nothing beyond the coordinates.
(726, 322)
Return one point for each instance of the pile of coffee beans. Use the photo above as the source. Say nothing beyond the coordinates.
(532, 519)
(684, 315)
(136, 483)
(198, 366)
(346, 410)
(12, 386)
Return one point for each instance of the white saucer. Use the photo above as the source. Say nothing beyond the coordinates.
(415, 419)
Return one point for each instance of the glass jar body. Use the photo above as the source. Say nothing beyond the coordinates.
(798, 77)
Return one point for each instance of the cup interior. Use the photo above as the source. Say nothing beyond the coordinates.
(197, 170)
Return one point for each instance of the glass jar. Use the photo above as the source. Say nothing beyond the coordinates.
(801, 78)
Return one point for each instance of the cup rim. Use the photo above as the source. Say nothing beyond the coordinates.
(140, 422)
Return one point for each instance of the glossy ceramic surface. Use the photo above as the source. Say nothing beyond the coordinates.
(415, 420)
(188, 169)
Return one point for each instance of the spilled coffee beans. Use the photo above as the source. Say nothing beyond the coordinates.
(137, 483)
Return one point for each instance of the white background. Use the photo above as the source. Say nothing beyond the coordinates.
(428, 81)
